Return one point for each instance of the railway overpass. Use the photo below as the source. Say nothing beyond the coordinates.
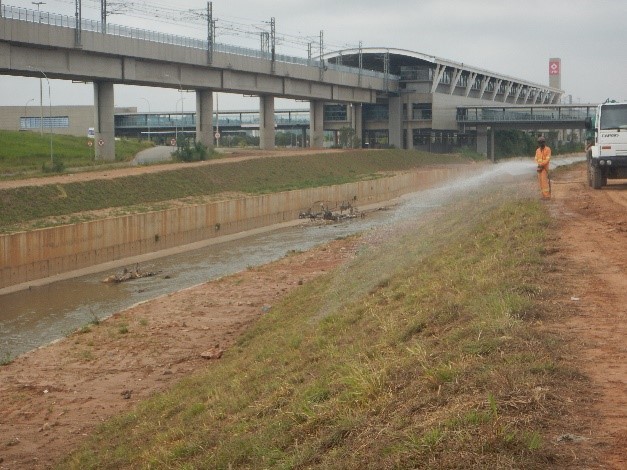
(388, 96)
(42, 44)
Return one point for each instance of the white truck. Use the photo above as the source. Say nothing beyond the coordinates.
(607, 143)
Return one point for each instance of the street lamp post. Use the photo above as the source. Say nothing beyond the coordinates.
(49, 110)
(176, 129)
(26, 105)
(49, 119)
(218, 120)
(181, 99)
(38, 5)
(148, 118)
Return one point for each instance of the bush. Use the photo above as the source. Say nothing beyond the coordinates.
(57, 166)
(188, 153)
(514, 143)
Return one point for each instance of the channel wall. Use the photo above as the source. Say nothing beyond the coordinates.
(38, 254)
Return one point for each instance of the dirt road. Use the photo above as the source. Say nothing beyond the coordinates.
(592, 244)
(53, 397)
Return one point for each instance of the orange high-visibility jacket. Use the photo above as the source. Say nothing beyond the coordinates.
(543, 157)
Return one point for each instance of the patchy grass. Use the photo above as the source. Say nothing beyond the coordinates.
(26, 152)
(420, 353)
(257, 176)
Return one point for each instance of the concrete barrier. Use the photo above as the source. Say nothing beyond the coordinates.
(37, 254)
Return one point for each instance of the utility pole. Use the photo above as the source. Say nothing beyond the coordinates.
(38, 5)
(210, 32)
(103, 16)
(79, 21)
(265, 41)
(321, 54)
(386, 68)
(361, 62)
(309, 52)
(273, 43)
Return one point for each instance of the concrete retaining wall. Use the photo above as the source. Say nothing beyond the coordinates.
(27, 256)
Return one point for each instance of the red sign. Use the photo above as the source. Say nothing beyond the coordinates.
(554, 67)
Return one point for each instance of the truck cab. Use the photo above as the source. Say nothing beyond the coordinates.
(607, 144)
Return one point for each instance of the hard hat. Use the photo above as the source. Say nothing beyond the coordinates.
(541, 139)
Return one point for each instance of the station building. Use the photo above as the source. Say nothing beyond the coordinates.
(424, 113)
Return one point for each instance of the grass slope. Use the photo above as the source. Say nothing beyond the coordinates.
(421, 353)
(27, 151)
(252, 177)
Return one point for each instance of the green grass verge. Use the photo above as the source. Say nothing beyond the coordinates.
(26, 152)
(253, 177)
(421, 353)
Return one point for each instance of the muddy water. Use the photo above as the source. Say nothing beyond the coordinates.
(31, 318)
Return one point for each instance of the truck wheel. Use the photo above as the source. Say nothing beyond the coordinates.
(597, 177)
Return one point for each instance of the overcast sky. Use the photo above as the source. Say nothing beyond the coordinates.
(509, 37)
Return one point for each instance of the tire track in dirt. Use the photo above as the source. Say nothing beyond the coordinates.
(592, 239)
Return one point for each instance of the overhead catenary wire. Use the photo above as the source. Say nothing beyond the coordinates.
(194, 20)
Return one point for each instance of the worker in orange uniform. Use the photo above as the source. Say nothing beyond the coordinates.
(543, 157)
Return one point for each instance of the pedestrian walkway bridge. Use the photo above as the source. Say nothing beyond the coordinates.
(565, 116)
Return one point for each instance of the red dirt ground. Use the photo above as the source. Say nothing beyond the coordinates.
(592, 249)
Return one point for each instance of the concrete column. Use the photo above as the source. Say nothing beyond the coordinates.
(316, 124)
(410, 125)
(482, 140)
(266, 122)
(204, 117)
(357, 121)
(104, 121)
(395, 123)
(492, 150)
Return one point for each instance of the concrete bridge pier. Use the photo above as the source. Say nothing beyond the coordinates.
(104, 121)
(316, 124)
(266, 122)
(357, 121)
(395, 122)
(204, 117)
(485, 142)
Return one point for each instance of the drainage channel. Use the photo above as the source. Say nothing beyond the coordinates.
(40, 315)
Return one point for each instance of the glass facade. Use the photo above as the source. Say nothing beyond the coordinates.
(335, 112)
(55, 122)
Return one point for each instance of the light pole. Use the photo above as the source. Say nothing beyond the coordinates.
(217, 120)
(38, 5)
(176, 129)
(181, 99)
(148, 118)
(42, 111)
(26, 105)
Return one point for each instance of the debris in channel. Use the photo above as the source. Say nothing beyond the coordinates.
(320, 211)
(129, 275)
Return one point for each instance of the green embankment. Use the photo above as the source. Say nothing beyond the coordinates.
(26, 152)
(420, 353)
(252, 177)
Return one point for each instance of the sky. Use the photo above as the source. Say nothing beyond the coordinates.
(508, 37)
